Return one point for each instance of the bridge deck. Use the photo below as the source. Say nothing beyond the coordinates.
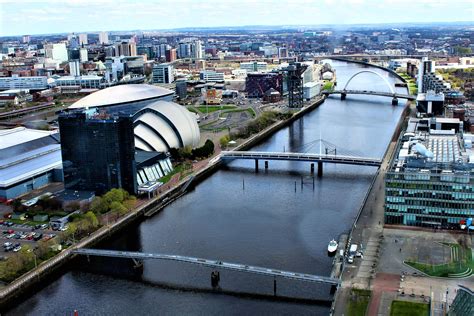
(209, 263)
(351, 160)
(379, 93)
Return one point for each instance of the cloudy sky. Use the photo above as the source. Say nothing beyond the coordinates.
(19, 17)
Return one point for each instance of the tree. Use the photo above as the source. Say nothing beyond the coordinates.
(72, 206)
(99, 205)
(92, 219)
(224, 141)
(130, 202)
(114, 195)
(118, 207)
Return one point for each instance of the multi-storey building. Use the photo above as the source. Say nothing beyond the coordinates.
(17, 82)
(88, 169)
(103, 38)
(256, 84)
(254, 66)
(430, 182)
(211, 76)
(163, 73)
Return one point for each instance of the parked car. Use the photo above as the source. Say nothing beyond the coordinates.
(16, 249)
(37, 236)
(7, 244)
(10, 236)
(43, 226)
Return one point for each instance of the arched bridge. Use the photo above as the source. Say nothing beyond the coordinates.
(392, 93)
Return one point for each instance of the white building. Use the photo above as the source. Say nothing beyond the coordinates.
(211, 76)
(163, 73)
(83, 55)
(197, 50)
(85, 82)
(17, 82)
(311, 89)
(83, 39)
(74, 69)
(103, 38)
(56, 51)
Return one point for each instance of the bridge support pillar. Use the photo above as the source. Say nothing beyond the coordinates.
(395, 101)
(343, 96)
(266, 164)
(320, 168)
(256, 165)
(274, 287)
(215, 278)
(312, 168)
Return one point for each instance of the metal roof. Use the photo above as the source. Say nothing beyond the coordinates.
(121, 94)
(15, 136)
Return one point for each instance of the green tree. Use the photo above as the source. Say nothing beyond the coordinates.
(118, 207)
(224, 141)
(114, 195)
(99, 205)
(92, 219)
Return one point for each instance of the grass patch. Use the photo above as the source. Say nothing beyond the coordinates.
(250, 110)
(213, 108)
(177, 169)
(358, 302)
(25, 222)
(403, 308)
(329, 86)
(462, 262)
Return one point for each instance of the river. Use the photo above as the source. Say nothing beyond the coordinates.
(239, 216)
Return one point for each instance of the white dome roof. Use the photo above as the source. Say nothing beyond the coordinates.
(163, 125)
(121, 94)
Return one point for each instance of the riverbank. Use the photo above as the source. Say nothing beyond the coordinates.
(41, 273)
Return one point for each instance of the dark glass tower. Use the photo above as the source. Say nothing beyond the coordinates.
(98, 152)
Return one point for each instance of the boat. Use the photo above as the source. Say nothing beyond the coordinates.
(332, 246)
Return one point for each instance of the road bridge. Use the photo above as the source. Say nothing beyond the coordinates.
(209, 263)
(308, 157)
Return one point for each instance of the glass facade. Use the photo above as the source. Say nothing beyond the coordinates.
(428, 199)
(98, 154)
(463, 303)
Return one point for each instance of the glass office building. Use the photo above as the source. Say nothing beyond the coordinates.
(430, 182)
(98, 152)
(463, 303)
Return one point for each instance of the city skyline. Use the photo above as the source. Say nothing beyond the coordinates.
(49, 17)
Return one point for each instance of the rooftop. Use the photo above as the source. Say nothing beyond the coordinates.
(19, 135)
(121, 94)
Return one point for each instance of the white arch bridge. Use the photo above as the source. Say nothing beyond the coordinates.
(392, 93)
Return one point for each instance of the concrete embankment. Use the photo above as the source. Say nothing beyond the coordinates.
(149, 208)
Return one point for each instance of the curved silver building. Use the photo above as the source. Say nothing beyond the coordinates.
(163, 125)
(128, 98)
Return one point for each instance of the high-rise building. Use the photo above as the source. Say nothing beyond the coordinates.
(282, 52)
(56, 51)
(126, 49)
(426, 67)
(74, 69)
(83, 55)
(163, 73)
(85, 167)
(197, 49)
(26, 39)
(171, 55)
(184, 50)
(103, 38)
(83, 39)
(181, 89)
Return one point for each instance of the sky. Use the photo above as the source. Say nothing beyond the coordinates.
(19, 17)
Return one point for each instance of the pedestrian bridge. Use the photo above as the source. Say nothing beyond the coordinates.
(209, 263)
(329, 158)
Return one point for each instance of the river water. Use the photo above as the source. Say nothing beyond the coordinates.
(239, 216)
